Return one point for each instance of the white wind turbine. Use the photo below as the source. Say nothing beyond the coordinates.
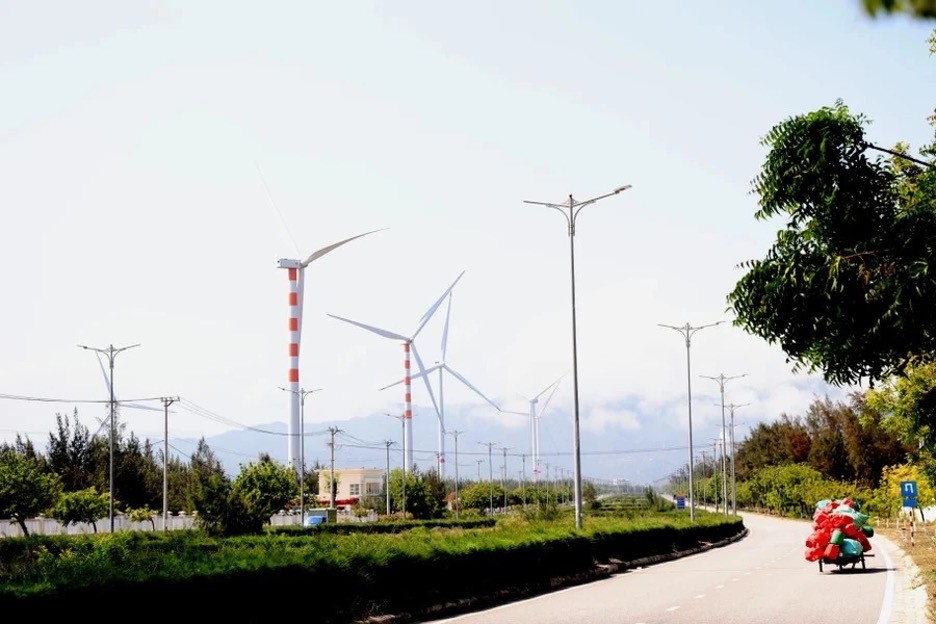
(296, 292)
(535, 422)
(117, 402)
(441, 366)
(409, 345)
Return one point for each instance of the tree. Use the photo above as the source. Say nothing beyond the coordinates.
(86, 505)
(27, 487)
(847, 288)
(914, 8)
(422, 500)
(905, 406)
(265, 487)
(142, 514)
(477, 495)
(770, 444)
(69, 453)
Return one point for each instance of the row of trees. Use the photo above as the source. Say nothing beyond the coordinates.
(69, 482)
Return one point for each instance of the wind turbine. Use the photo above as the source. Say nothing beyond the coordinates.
(441, 367)
(107, 382)
(534, 423)
(296, 270)
(409, 345)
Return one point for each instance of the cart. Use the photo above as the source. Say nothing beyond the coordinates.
(843, 561)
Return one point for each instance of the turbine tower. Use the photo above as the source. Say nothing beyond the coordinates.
(409, 346)
(534, 424)
(442, 367)
(296, 270)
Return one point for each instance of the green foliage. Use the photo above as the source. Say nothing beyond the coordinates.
(921, 9)
(906, 407)
(265, 487)
(423, 493)
(359, 573)
(481, 494)
(142, 514)
(87, 505)
(846, 288)
(27, 487)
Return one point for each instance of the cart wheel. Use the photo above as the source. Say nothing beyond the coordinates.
(820, 565)
(863, 562)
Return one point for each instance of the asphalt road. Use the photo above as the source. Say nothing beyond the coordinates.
(761, 579)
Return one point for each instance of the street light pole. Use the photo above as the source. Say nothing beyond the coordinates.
(111, 352)
(734, 499)
(688, 330)
(490, 445)
(301, 393)
(720, 380)
(570, 211)
(455, 435)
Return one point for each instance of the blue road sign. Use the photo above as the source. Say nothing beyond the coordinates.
(908, 489)
(680, 502)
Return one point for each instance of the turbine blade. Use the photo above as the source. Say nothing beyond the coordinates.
(428, 315)
(376, 330)
(546, 402)
(468, 383)
(103, 372)
(545, 389)
(422, 373)
(324, 250)
(448, 314)
(138, 406)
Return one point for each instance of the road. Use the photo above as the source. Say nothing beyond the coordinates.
(761, 579)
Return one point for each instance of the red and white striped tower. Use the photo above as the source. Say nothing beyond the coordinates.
(295, 335)
(296, 269)
(407, 410)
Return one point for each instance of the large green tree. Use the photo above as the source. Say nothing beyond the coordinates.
(27, 487)
(847, 287)
(86, 505)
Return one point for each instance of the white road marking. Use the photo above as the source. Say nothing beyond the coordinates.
(673, 608)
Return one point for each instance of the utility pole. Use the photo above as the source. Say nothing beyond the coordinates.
(167, 401)
(111, 352)
(504, 480)
(687, 331)
(387, 478)
(734, 498)
(523, 478)
(402, 419)
(720, 380)
(455, 435)
(479, 462)
(489, 446)
(332, 484)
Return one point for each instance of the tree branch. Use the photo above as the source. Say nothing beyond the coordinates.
(899, 155)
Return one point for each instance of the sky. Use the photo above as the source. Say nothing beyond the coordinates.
(159, 158)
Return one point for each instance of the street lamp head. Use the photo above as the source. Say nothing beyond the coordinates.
(623, 188)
